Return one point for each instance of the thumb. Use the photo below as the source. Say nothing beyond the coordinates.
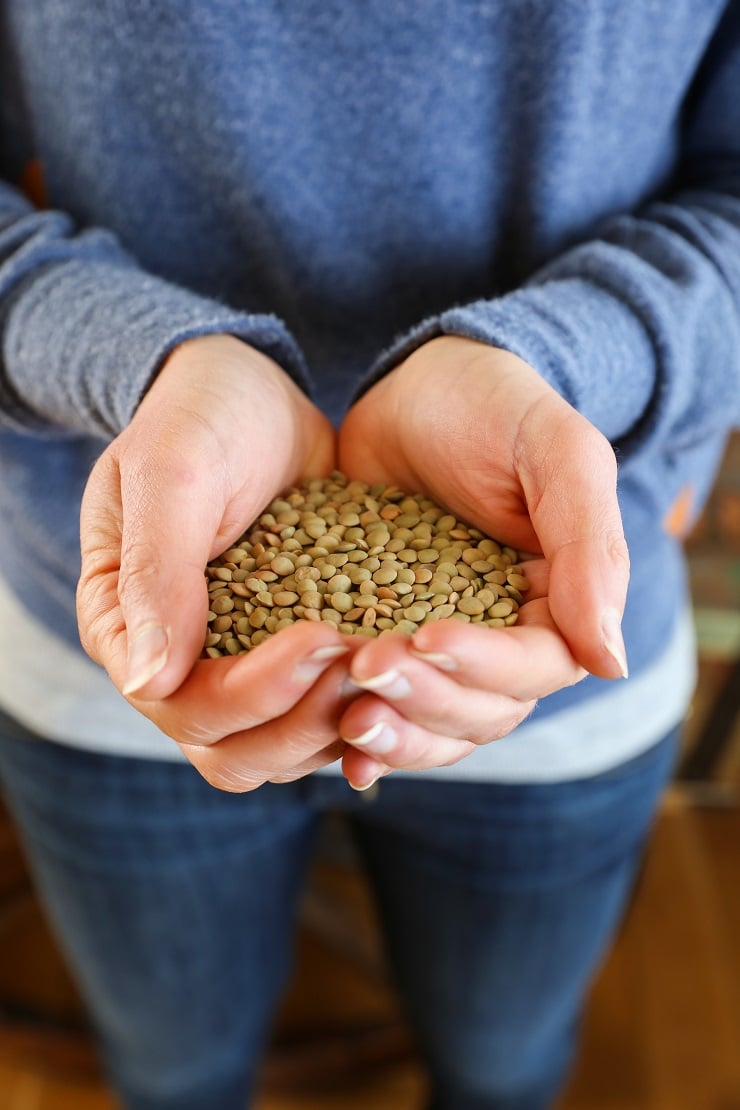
(171, 491)
(171, 514)
(572, 485)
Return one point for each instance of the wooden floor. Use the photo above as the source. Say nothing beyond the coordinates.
(662, 1030)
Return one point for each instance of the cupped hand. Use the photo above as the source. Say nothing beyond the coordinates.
(220, 432)
(271, 715)
(479, 431)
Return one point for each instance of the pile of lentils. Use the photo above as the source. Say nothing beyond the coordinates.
(369, 558)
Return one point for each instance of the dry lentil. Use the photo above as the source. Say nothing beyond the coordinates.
(368, 559)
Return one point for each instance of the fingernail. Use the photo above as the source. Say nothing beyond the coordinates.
(611, 629)
(389, 684)
(366, 786)
(436, 659)
(316, 663)
(147, 655)
(379, 739)
(360, 787)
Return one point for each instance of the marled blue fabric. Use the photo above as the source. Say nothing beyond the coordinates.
(337, 182)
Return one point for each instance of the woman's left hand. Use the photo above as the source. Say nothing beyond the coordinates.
(480, 432)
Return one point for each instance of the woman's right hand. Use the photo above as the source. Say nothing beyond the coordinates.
(221, 431)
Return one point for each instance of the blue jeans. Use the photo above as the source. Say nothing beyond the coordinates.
(175, 904)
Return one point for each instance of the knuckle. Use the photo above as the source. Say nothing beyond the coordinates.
(600, 445)
(597, 447)
(138, 573)
(95, 636)
(302, 743)
(322, 759)
(618, 551)
(100, 626)
(464, 748)
(577, 675)
(223, 775)
(528, 707)
(193, 733)
(592, 452)
(185, 725)
(507, 724)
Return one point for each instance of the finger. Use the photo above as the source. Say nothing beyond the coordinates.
(445, 677)
(437, 705)
(360, 770)
(568, 472)
(232, 771)
(189, 484)
(526, 661)
(396, 742)
(172, 509)
(221, 697)
(323, 758)
(280, 750)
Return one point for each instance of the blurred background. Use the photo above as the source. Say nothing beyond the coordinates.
(663, 1024)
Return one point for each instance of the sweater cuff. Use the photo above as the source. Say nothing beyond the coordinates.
(84, 340)
(581, 339)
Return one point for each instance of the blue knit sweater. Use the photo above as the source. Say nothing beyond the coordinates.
(336, 183)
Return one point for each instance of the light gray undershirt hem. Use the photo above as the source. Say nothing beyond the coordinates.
(63, 696)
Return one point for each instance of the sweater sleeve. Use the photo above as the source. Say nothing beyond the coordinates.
(639, 327)
(84, 329)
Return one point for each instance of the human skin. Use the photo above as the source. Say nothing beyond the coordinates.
(482, 433)
(475, 428)
(220, 432)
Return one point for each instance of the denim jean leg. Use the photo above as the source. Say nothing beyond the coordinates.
(174, 903)
(498, 902)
